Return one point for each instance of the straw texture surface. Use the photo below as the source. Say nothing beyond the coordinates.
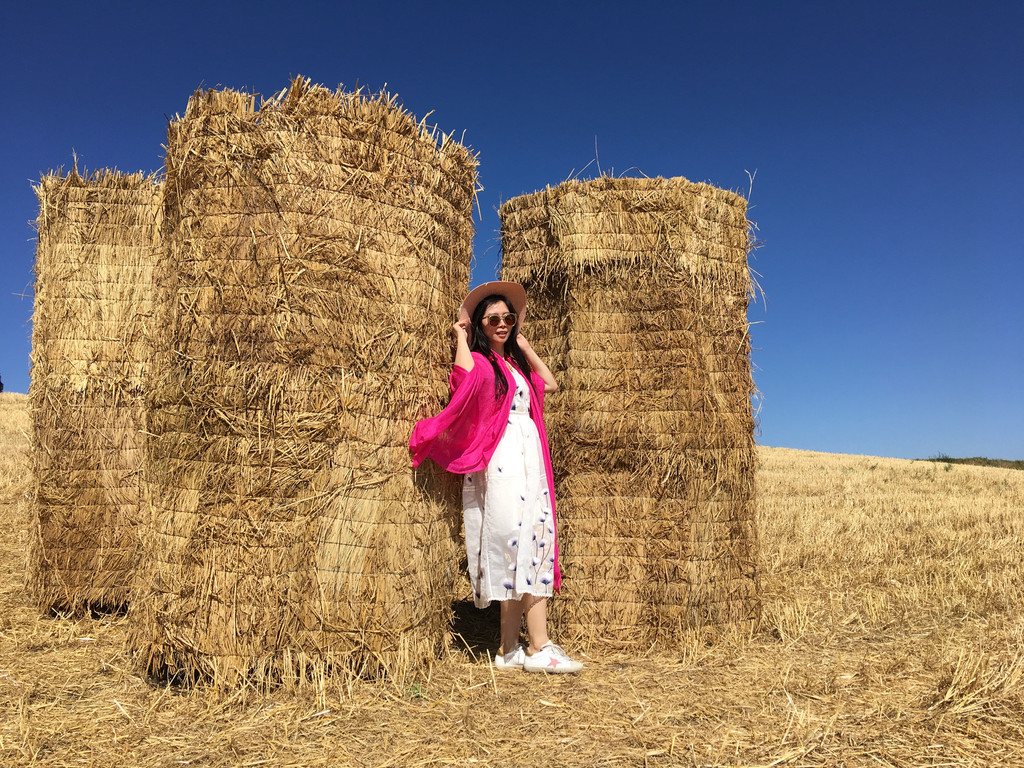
(97, 241)
(638, 295)
(317, 247)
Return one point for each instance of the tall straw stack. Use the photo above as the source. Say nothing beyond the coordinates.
(638, 295)
(317, 248)
(97, 241)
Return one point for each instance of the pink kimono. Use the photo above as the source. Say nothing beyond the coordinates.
(464, 436)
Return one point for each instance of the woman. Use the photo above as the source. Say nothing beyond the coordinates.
(492, 431)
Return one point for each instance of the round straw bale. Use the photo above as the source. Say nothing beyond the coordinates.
(317, 248)
(638, 291)
(97, 241)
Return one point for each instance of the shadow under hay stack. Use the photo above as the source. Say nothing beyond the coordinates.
(93, 297)
(316, 250)
(638, 296)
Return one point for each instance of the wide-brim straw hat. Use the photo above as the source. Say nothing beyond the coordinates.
(514, 292)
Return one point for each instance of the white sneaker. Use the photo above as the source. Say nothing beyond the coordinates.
(551, 658)
(511, 660)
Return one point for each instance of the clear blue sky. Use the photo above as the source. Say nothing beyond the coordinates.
(887, 140)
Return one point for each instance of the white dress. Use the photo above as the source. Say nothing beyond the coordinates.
(510, 532)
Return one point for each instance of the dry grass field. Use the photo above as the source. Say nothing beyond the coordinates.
(892, 636)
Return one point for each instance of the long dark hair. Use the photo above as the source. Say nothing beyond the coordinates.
(478, 342)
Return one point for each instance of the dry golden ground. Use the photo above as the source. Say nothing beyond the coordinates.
(892, 637)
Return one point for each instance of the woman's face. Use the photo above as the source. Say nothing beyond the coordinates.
(497, 335)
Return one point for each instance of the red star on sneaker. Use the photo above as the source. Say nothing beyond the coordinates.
(553, 663)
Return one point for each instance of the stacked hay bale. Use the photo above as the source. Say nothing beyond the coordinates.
(317, 249)
(638, 296)
(93, 295)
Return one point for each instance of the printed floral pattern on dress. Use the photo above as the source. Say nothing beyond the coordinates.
(508, 510)
(542, 566)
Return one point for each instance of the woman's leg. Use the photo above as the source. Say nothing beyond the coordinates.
(511, 624)
(536, 610)
(543, 655)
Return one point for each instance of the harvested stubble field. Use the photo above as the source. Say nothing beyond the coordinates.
(892, 636)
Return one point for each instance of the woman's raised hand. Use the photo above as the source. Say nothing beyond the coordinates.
(550, 385)
(463, 357)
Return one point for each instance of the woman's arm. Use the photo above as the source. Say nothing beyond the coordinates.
(463, 357)
(550, 385)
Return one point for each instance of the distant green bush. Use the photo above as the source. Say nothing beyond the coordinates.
(979, 461)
